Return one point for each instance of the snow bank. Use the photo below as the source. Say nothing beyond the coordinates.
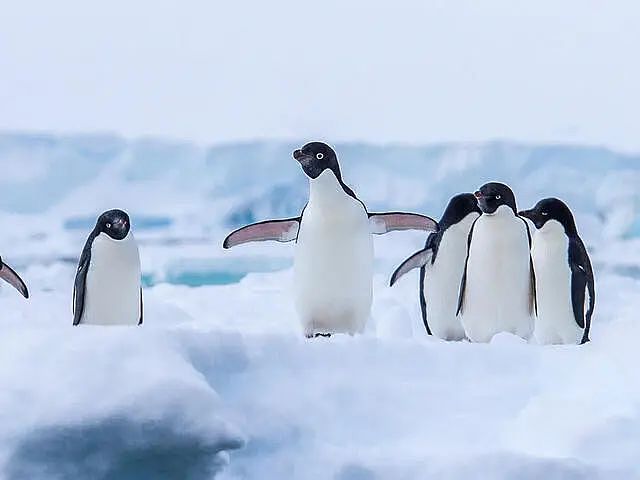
(220, 369)
(107, 403)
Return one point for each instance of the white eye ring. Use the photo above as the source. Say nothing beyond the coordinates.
(108, 225)
(498, 197)
(319, 156)
(544, 214)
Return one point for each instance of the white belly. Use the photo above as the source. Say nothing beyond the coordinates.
(497, 297)
(333, 268)
(555, 323)
(112, 293)
(442, 281)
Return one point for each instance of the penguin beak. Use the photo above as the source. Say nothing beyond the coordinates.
(304, 159)
(526, 214)
(120, 225)
(533, 217)
(482, 202)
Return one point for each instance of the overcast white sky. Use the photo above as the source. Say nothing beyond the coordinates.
(408, 70)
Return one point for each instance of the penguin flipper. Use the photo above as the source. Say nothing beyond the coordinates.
(417, 260)
(285, 230)
(141, 308)
(382, 223)
(12, 278)
(80, 283)
(423, 300)
(533, 294)
(463, 286)
(582, 284)
(463, 281)
(432, 243)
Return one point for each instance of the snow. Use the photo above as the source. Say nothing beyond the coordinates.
(215, 366)
(220, 381)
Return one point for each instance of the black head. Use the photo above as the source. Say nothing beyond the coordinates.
(114, 223)
(458, 208)
(316, 157)
(551, 209)
(493, 195)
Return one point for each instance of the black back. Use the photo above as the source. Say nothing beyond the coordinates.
(115, 224)
(582, 278)
(316, 157)
(457, 209)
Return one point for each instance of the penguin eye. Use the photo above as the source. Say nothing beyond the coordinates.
(498, 197)
(544, 214)
(108, 225)
(319, 156)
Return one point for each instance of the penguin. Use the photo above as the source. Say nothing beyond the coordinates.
(12, 278)
(497, 291)
(107, 289)
(441, 264)
(333, 263)
(564, 276)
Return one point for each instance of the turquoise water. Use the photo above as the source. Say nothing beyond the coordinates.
(202, 272)
(197, 279)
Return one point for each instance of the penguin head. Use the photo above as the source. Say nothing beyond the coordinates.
(551, 209)
(114, 223)
(458, 208)
(315, 158)
(493, 195)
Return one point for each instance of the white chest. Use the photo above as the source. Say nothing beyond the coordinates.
(333, 261)
(549, 251)
(112, 292)
(498, 236)
(442, 281)
(452, 250)
(550, 254)
(498, 288)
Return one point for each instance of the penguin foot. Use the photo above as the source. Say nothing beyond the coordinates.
(316, 335)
